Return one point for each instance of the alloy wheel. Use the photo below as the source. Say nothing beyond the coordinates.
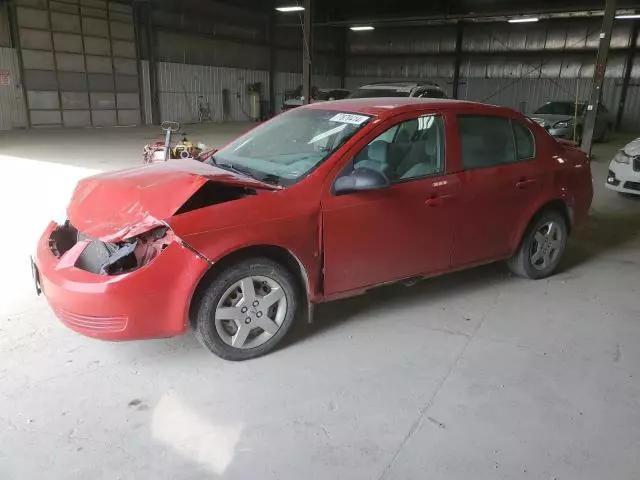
(546, 245)
(250, 312)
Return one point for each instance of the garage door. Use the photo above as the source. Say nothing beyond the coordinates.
(79, 62)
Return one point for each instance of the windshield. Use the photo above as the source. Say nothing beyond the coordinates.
(560, 108)
(287, 148)
(378, 92)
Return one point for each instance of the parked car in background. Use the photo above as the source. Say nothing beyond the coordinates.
(318, 95)
(566, 120)
(323, 202)
(624, 169)
(419, 89)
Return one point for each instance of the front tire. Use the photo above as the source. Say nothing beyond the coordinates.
(541, 248)
(247, 309)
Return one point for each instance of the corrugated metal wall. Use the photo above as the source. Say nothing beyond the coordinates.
(12, 105)
(520, 66)
(181, 85)
(79, 62)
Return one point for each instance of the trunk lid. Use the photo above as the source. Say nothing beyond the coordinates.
(116, 205)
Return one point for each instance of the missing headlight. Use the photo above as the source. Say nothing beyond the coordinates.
(123, 257)
(62, 239)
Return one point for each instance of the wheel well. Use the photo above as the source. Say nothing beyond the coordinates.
(277, 254)
(559, 206)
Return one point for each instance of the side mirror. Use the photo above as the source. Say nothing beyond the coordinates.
(361, 180)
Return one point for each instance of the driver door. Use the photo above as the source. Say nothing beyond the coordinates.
(403, 230)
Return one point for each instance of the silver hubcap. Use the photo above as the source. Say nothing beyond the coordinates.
(547, 243)
(250, 312)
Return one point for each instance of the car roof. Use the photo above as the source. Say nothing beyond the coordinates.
(389, 105)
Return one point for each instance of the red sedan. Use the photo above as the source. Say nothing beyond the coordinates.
(323, 202)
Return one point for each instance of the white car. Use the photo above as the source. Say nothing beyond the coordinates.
(624, 169)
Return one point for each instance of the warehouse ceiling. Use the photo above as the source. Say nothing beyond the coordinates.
(353, 11)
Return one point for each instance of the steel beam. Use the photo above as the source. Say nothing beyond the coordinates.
(598, 75)
(307, 48)
(626, 77)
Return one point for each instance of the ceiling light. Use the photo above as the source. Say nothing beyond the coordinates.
(523, 20)
(294, 8)
(362, 28)
(631, 16)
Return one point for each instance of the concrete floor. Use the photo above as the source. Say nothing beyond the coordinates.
(474, 375)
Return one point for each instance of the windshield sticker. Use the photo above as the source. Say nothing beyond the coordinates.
(349, 118)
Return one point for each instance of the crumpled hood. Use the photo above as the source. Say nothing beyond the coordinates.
(117, 205)
(632, 149)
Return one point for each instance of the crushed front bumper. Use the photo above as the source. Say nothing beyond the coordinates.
(149, 302)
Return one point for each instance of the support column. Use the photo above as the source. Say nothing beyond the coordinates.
(626, 77)
(272, 60)
(457, 61)
(598, 75)
(153, 72)
(307, 48)
(14, 35)
(343, 50)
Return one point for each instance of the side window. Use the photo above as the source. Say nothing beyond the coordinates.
(525, 143)
(485, 141)
(414, 150)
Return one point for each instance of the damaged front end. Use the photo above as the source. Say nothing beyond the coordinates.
(110, 258)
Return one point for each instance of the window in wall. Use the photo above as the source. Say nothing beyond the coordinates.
(415, 149)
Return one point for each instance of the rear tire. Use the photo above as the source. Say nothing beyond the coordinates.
(247, 309)
(541, 248)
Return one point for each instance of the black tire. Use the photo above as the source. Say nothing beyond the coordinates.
(205, 329)
(521, 263)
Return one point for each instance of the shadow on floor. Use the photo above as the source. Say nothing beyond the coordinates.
(436, 289)
(603, 232)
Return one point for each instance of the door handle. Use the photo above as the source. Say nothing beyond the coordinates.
(526, 182)
(437, 200)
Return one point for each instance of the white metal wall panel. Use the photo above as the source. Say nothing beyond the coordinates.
(180, 86)
(12, 104)
(527, 94)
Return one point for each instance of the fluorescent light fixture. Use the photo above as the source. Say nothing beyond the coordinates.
(294, 8)
(362, 28)
(523, 20)
(630, 16)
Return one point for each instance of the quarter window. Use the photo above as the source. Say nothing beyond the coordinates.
(525, 146)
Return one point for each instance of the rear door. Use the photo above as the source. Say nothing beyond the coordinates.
(499, 183)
